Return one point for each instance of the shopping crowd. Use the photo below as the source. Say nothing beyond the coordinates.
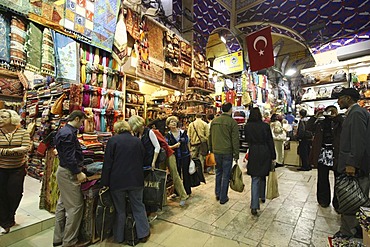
(328, 141)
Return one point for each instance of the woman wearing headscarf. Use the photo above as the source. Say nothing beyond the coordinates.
(123, 174)
(14, 147)
(261, 156)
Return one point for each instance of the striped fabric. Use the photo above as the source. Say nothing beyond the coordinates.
(14, 148)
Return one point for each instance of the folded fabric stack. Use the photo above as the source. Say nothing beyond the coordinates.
(363, 217)
(103, 137)
(91, 147)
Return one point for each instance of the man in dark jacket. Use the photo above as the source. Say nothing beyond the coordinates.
(69, 211)
(354, 153)
(224, 143)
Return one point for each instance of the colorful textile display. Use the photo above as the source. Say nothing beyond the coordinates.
(47, 60)
(105, 21)
(4, 40)
(66, 50)
(120, 41)
(79, 16)
(20, 6)
(18, 37)
(49, 12)
(33, 48)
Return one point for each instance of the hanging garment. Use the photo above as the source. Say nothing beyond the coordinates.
(18, 35)
(47, 51)
(120, 41)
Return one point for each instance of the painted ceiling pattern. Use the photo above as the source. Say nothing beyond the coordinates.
(318, 21)
(208, 15)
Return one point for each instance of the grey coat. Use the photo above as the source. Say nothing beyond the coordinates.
(354, 141)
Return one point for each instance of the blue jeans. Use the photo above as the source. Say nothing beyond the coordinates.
(138, 211)
(223, 169)
(258, 191)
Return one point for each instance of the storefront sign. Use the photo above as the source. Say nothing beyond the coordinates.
(230, 63)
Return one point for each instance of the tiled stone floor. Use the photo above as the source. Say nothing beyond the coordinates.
(293, 219)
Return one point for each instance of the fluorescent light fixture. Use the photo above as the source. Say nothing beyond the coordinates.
(290, 72)
(223, 39)
(364, 36)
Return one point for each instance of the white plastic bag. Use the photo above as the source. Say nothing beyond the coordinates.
(192, 169)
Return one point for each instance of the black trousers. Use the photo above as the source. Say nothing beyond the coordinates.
(183, 169)
(304, 149)
(323, 186)
(11, 192)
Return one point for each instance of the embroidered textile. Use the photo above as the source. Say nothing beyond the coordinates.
(120, 41)
(79, 16)
(18, 37)
(155, 37)
(132, 24)
(49, 11)
(105, 21)
(66, 50)
(21, 6)
(4, 39)
(47, 60)
(33, 48)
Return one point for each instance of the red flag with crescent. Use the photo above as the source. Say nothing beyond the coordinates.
(260, 49)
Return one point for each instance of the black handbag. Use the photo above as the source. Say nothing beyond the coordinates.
(154, 187)
(349, 194)
(336, 90)
(105, 214)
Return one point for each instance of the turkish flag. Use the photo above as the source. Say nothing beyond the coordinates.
(260, 50)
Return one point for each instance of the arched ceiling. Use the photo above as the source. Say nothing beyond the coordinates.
(311, 22)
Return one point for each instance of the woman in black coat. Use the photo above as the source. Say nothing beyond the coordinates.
(261, 155)
(327, 126)
(123, 173)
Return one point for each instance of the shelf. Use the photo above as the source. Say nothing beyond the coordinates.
(320, 84)
(13, 98)
(198, 101)
(134, 105)
(133, 91)
(319, 99)
(201, 89)
(336, 66)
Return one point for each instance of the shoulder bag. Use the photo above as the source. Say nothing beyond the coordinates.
(203, 146)
(236, 179)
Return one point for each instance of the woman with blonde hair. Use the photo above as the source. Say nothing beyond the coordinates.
(123, 174)
(14, 147)
(152, 147)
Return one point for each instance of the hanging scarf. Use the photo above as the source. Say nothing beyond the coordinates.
(66, 50)
(18, 35)
(33, 47)
(103, 121)
(47, 60)
(4, 40)
(97, 119)
(120, 41)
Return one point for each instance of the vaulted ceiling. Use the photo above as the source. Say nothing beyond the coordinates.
(315, 25)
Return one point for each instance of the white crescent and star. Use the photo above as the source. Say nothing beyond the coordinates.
(260, 38)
